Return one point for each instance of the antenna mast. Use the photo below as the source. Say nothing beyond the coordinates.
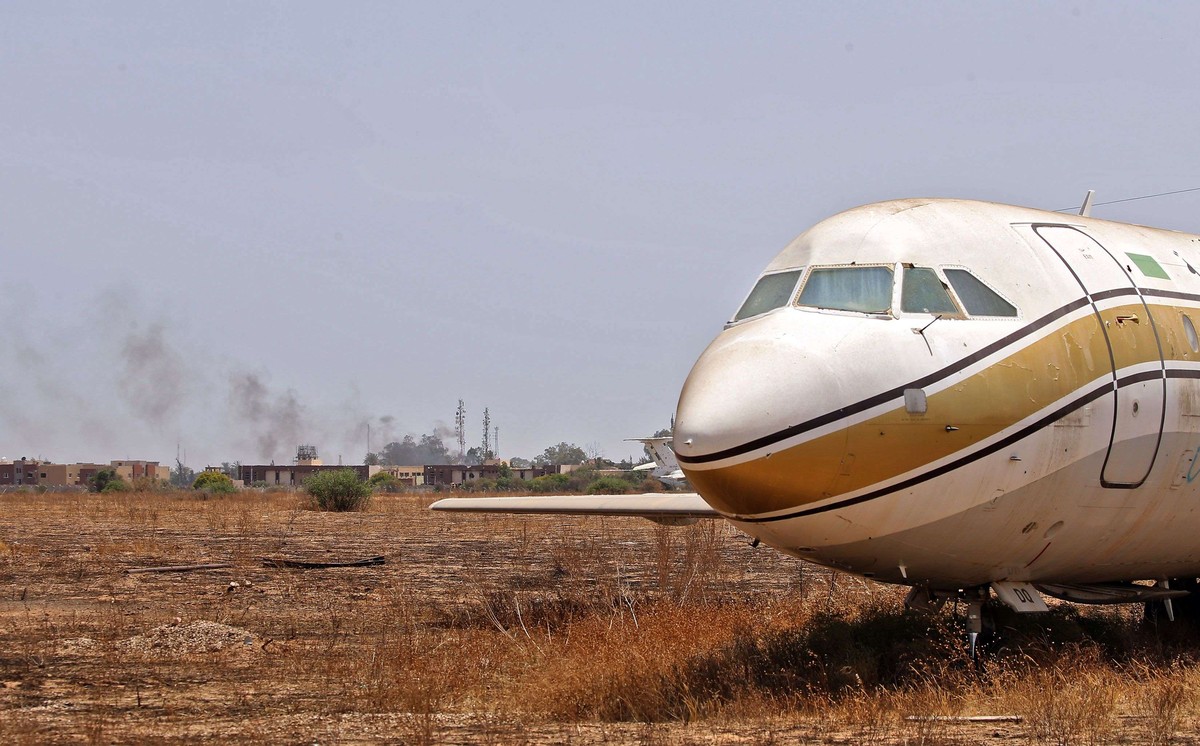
(460, 429)
(487, 434)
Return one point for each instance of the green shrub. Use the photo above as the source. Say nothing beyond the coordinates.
(384, 482)
(214, 482)
(106, 478)
(511, 484)
(338, 491)
(580, 479)
(609, 486)
(148, 484)
(260, 484)
(550, 483)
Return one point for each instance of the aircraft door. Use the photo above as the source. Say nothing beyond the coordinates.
(1139, 373)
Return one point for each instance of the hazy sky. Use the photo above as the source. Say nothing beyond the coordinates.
(244, 226)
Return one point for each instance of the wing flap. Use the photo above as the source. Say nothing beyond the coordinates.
(672, 509)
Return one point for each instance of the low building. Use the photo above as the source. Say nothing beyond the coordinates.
(293, 475)
(141, 470)
(410, 476)
(445, 475)
(23, 472)
(49, 474)
(456, 475)
(58, 475)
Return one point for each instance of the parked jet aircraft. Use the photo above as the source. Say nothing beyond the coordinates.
(664, 466)
(954, 396)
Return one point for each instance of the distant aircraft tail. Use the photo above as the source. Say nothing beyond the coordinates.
(660, 450)
(666, 466)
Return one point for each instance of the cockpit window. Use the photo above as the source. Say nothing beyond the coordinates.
(924, 292)
(861, 289)
(979, 299)
(769, 293)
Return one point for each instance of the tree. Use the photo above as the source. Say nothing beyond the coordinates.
(432, 450)
(214, 482)
(563, 453)
(410, 452)
(181, 476)
(107, 480)
(338, 490)
(383, 482)
(519, 463)
(372, 459)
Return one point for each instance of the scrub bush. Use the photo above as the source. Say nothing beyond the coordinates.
(214, 482)
(107, 480)
(609, 486)
(384, 482)
(338, 491)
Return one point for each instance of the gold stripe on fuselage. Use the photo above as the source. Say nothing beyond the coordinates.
(1061, 362)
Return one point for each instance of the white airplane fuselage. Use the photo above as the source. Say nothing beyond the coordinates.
(1042, 428)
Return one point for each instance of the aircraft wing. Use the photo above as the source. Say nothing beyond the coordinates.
(675, 509)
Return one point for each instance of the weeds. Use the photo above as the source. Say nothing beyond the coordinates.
(625, 628)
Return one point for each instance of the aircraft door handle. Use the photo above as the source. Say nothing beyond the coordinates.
(1125, 318)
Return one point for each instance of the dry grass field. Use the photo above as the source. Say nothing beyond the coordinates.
(483, 629)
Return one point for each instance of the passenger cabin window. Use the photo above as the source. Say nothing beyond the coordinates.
(861, 289)
(979, 299)
(923, 292)
(769, 293)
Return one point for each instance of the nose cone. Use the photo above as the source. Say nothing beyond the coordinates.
(754, 384)
(735, 387)
(751, 382)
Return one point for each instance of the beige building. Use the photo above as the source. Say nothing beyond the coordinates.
(58, 475)
(48, 474)
(412, 476)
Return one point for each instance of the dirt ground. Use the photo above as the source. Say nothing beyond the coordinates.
(440, 644)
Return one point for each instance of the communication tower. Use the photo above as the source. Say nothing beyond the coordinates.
(487, 434)
(460, 428)
(307, 455)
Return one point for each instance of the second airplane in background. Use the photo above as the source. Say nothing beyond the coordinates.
(663, 465)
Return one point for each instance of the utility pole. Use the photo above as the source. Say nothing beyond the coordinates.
(460, 429)
(487, 433)
(496, 441)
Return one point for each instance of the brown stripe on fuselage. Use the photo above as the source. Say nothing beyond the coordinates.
(852, 458)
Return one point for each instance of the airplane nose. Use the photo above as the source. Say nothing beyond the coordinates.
(748, 390)
(749, 385)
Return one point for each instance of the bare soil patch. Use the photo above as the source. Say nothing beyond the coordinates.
(485, 629)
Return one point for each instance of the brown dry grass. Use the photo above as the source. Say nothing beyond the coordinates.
(494, 629)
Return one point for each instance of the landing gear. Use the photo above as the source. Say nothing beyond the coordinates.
(926, 600)
(1185, 608)
(974, 625)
